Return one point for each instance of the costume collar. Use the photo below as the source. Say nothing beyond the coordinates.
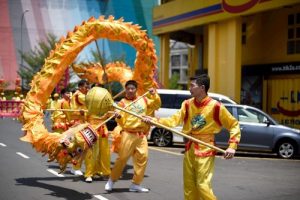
(130, 99)
(203, 102)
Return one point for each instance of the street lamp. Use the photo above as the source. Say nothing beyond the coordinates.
(22, 19)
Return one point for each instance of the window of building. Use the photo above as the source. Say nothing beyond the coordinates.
(179, 65)
(175, 60)
(293, 34)
(179, 61)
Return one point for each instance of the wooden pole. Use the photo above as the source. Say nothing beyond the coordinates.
(66, 110)
(170, 129)
(104, 122)
(119, 94)
(72, 110)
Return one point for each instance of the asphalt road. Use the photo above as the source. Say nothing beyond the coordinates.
(25, 174)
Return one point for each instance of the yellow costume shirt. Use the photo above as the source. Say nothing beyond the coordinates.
(143, 106)
(78, 103)
(198, 119)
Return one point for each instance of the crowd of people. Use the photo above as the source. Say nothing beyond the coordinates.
(201, 116)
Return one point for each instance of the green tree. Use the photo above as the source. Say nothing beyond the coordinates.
(173, 82)
(35, 59)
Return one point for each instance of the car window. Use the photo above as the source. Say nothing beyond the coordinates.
(249, 115)
(167, 100)
(173, 101)
(246, 116)
(230, 109)
(181, 98)
(224, 101)
(261, 118)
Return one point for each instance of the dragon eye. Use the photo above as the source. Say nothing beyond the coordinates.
(79, 150)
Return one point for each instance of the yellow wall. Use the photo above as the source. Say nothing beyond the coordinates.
(224, 57)
(267, 37)
(164, 59)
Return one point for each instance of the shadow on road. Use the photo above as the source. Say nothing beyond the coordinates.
(57, 191)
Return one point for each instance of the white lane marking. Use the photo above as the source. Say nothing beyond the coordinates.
(100, 197)
(1, 144)
(22, 155)
(165, 151)
(55, 173)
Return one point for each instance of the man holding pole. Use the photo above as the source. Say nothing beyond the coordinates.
(202, 118)
(134, 136)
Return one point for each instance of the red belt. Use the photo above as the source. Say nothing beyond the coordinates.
(197, 150)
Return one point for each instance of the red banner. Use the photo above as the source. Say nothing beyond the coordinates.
(10, 108)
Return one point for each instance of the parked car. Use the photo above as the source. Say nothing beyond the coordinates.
(171, 102)
(260, 133)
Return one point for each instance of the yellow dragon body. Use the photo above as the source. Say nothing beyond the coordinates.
(71, 145)
(95, 73)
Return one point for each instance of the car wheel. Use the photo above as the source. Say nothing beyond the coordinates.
(162, 137)
(286, 149)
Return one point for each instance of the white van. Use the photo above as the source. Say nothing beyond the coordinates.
(171, 101)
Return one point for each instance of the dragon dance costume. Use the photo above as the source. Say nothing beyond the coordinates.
(134, 137)
(202, 120)
(97, 160)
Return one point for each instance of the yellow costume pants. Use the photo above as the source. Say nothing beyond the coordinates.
(135, 145)
(197, 175)
(97, 160)
(91, 160)
(103, 160)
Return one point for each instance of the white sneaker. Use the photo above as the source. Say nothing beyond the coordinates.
(137, 188)
(109, 185)
(89, 179)
(76, 172)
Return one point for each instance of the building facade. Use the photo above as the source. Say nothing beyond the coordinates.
(250, 49)
(24, 23)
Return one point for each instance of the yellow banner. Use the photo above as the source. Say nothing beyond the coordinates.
(284, 101)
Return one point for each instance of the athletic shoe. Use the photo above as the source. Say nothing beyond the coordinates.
(76, 172)
(109, 185)
(89, 179)
(137, 188)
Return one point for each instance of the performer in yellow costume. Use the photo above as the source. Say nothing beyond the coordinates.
(56, 116)
(134, 136)
(78, 103)
(202, 118)
(65, 117)
(97, 160)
